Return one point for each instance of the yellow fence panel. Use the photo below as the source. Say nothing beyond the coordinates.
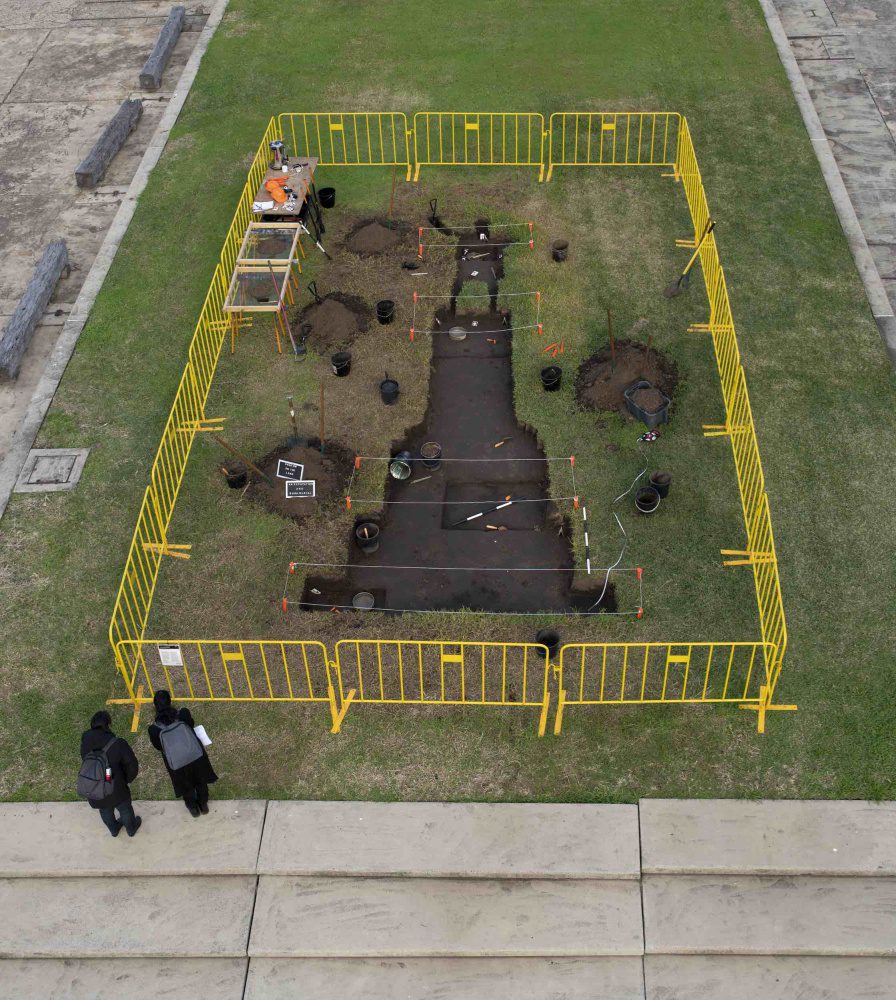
(612, 138)
(400, 672)
(349, 139)
(478, 138)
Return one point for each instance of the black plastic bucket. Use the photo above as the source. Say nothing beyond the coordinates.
(341, 364)
(401, 467)
(560, 250)
(389, 391)
(548, 637)
(385, 311)
(652, 418)
(367, 535)
(363, 601)
(551, 378)
(661, 481)
(431, 454)
(327, 197)
(647, 499)
(237, 475)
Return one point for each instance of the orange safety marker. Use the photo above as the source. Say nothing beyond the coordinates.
(285, 605)
(540, 328)
(348, 503)
(572, 459)
(575, 503)
(415, 296)
(640, 571)
(357, 461)
(538, 296)
(412, 333)
(531, 244)
(292, 569)
(640, 612)
(531, 226)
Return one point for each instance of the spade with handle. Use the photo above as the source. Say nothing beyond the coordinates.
(684, 279)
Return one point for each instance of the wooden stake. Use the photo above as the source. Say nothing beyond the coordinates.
(292, 416)
(249, 465)
(321, 416)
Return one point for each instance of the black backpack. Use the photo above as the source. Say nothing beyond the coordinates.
(93, 784)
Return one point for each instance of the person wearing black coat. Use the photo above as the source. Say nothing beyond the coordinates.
(191, 781)
(124, 766)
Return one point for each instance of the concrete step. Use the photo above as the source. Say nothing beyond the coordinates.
(453, 840)
(444, 978)
(753, 915)
(389, 917)
(768, 838)
(125, 979)
(69, 839)
(188, 916)
(735, 977)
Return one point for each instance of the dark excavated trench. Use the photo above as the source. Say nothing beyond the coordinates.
(524, 566)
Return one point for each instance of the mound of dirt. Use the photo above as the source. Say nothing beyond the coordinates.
(372, 238)
(601, 382)
(333, 323)
(329, 471)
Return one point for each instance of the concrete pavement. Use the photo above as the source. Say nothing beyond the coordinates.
(665, 900)
(838, 55)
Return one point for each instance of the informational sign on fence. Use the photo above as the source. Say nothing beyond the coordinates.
(171, 656)
(298, 488)
(289, 470)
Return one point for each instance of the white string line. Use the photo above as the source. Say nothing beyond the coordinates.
(448, 295)
(503, 329)
(460, 569)
(460, 611)
(503, 501)
(483, 244)
(472, 225)
(379, 458)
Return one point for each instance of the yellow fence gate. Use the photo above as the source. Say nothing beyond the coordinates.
(349, 139)
(478, 138)
(417, 672)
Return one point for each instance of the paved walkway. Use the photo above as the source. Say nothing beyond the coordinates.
(845, 53)
(665, 900)
(65, 67)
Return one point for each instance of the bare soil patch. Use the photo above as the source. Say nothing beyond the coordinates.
(333, 323)
(371, 236)
(330, 471)
(601, 382)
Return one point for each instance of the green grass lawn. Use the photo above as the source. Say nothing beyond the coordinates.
(820, 385)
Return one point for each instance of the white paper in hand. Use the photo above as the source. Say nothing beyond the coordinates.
(202, 735)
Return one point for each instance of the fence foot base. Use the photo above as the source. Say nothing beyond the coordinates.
(764, 706)
(339, 715)
(558, 719)
(543, 718)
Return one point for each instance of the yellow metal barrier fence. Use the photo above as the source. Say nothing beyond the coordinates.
(411, 672)
(478, 138)
(663, 673)
(349, 139)
(150, 542)
(612, 138)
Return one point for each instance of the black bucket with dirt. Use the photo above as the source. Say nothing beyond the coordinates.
(560, 250)
(551, 377)
(647, 499)
(389, 391)
(327, 197)
(341, 364)
(367, 535)
(431, 454)
(237, 475)
(646, 403)
(385, 311)
(661, 481)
